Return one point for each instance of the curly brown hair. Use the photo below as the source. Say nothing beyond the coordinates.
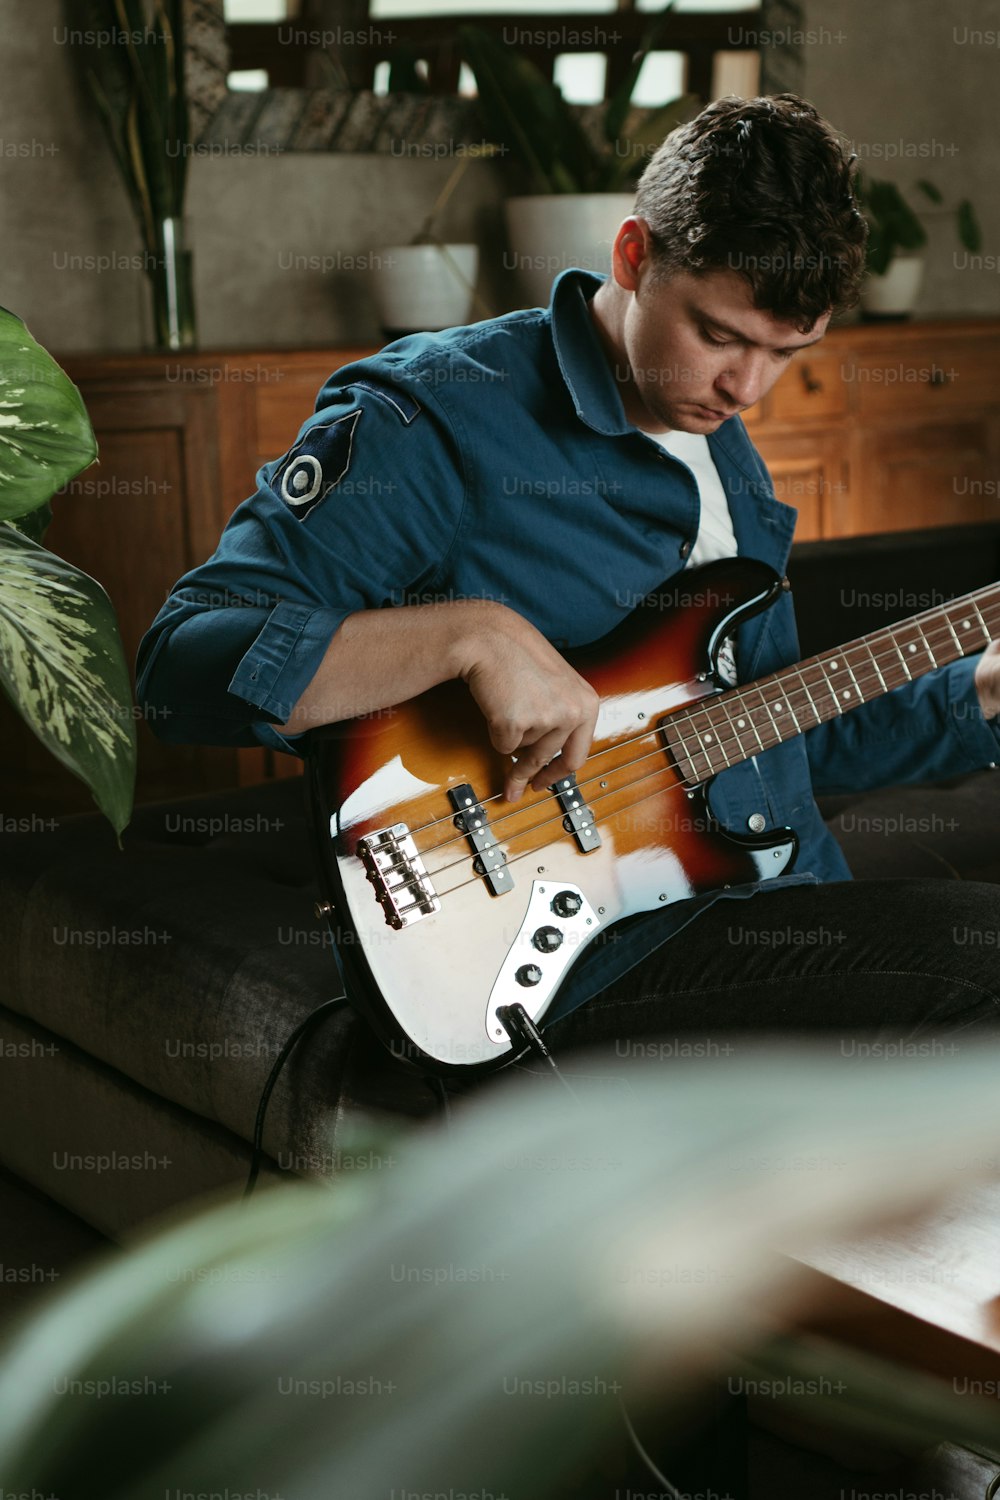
(764, 187)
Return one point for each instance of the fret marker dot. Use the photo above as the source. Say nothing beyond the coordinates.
(965, 624)
(741, 723)
(708, 738)
(778, 707)
(846, 693)
(833, 666)
(911, 647)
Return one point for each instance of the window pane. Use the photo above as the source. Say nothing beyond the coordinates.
(248, 80)
(661, 78)
(381, 9)
(701, 5)
(467, 82)
(260, 10)
(736, 73)
(581, 76)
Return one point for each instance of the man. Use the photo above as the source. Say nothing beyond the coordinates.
(469, 504)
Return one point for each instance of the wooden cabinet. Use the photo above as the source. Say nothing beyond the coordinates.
(902, 422)
(880, 428)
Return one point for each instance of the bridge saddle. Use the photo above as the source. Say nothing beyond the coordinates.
(402, 886)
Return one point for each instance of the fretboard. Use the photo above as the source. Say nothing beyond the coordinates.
(732, 726)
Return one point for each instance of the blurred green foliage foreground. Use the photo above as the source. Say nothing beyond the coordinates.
(462, 1321)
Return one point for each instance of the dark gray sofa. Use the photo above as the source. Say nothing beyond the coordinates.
(147, 992)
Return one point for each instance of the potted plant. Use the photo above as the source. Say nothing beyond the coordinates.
(428, 283)
(896, 239)
(577, 188)
(61, 658)
(133, 60)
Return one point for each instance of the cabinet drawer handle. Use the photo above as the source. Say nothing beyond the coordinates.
(809, 381)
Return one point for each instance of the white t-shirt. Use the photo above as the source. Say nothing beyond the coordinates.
(716, 537)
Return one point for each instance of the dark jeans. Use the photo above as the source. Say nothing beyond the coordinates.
(890, 959)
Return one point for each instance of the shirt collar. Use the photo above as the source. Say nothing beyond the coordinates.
(585, 369)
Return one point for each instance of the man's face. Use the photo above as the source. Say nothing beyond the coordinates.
(699, 351)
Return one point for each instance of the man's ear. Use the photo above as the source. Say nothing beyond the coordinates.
(632, 247)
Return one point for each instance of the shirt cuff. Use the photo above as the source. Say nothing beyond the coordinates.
(284, 659)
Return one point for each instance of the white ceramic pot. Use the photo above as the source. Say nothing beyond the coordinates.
(548, 232)
(894, 295)
(419, 287)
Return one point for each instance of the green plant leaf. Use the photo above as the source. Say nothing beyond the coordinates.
(45, 433)
(35, 524)
(893, 224)
(63, 668)
(930, 191)
(969, 233)
(618, 104)
(404, 76)
(534, 1242)
(523, 111)
(624, 167)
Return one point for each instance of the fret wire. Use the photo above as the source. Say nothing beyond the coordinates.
(809, 697)
(875, 664)
(981, 621)
(881, 638)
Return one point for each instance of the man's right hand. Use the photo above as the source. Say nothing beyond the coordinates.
(536, 707)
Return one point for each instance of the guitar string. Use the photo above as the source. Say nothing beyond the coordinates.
(592, 802)
(626, 807)
(686, 712)
(801, 693)
(527, 853)
(625, 787)
(712, 701)
(664, 768)
(552, 818)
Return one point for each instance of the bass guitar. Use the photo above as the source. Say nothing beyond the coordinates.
(447, 903)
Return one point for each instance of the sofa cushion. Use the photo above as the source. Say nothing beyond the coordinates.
(171, 972)
(186, 959)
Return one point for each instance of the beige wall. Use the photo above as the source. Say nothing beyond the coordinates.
(896, 75)
(252, 220)
(901, 75)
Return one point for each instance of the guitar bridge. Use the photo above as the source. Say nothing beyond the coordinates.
(403, 888)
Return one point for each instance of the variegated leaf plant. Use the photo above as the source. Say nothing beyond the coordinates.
(61, 659)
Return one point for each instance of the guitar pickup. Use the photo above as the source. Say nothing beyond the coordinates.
(490, 861)
(578, 819)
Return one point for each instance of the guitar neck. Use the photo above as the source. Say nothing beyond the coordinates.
(733, 726)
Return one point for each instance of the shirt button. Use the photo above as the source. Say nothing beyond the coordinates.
(685, 549)
(757, 822)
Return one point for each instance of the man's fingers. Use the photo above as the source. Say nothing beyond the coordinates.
(532, 761)
(567, 760)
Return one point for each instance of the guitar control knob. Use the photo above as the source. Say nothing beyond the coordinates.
(528, 975)
(566, 903)
(546, 939)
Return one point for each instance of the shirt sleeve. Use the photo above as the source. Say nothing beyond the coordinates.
(361, 512)
(929, 730)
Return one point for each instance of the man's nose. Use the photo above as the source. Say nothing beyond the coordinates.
(744, 382)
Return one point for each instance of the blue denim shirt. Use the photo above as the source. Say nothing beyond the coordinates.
(496, 461)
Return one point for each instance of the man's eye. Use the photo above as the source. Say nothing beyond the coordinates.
(716, 343)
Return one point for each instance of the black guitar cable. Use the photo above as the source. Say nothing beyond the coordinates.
(301, 1029)
(524, 1033)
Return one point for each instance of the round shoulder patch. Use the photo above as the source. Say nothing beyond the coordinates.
(318, 461)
